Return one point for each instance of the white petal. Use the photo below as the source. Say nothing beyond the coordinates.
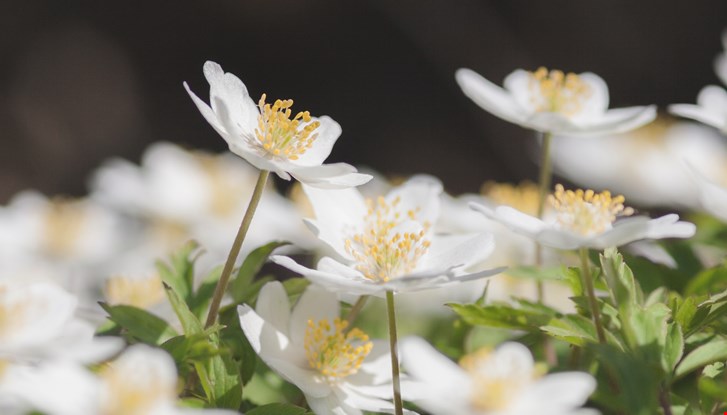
(425, 363)
(314, 304)
(346, 281)
(597, 102)
(456, 251)
(618, 120)
(712, 196)
(328, 133)
(420, 194)
(330, 176)
(264, 338)
(519, 84)
(513, 219)
(207, 113)
(353, 398)
(669, 226)
(227, 88)
(556, 393)
(328, 405)
(490, 97)
(339, 215)
(273, 306)
(698, 113)
(304, 378)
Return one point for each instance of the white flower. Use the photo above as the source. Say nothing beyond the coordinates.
(711, 108)
(37, 322)
(388, 244)
(720, 63)
(501, 382)
(268, 138)
(712, 195)
(553, 102)
(585, 219)
(339, 371)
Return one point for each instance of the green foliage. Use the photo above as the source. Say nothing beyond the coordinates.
(139, 324)
(279, 409)
(243, 288)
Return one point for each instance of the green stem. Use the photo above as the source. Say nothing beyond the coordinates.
(356, 309)
(398, 409)
(544, 182)
(591, 293)
(236, 246)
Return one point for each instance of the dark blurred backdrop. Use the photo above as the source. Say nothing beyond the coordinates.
(84, 81)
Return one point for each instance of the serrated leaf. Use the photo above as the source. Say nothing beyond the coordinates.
(573, 328)
(503, 316)
(714, 351)
(190, 323)
(140, 324)
(220, 378)
(178, 272)
(620, 279)
(278, 409)
(250, 267)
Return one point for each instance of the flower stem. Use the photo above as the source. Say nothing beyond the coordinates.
(235, 250)
(591, 293)
(356, 309)
(394, 353)
(544, 181)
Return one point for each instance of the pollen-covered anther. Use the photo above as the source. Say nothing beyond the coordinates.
(281, 136)
(380, 251)
(523, 197)
(586, 212)
(333, 351)
(555, 91)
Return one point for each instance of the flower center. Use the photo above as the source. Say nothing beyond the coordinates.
(554, 91)
(585, 212)
(138, 292)
(64, 221)
(334, 352)
(127, 394)
(496, 383)
(226, 190)
(14, 312)
(391, 243)
(523, 197)
(282, 136)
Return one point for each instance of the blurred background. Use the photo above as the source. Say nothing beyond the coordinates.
(82, 81)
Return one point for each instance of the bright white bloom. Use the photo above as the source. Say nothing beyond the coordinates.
(711, 108)
(505, 381)
(269, 138)
(340, 371)
(712, 195)
(553, 102)
(585, 219)
(37, 322)
(388, 244)
(645, 165)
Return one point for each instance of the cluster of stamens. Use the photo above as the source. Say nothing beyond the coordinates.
(555, 91)
(282, 136)
(63, 220)
(333, 351)
(381, 251)
(523, 197)
(493, 387)
(138, 292)
(586, 212)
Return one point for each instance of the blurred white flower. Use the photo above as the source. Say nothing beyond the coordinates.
(585, 219)
(712, 195)
(388, 244)
(142, 291)
(505, 381)
(720, 63)
(553, 102)
(711, 108)
(180, 195)
(37, 322)
(339, 370)
(268, 138)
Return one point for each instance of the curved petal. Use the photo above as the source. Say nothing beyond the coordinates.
(490, 97)
(273, 306)
(307, 380)
(327, 134)
(512, 218)
(420, 195)
(556, 393)
(265, 339)
(314, 304)
(698, 113)
(354, 398)
(520, 85)
(227, 88)
(712, 196)
(329, 405)
(339, 215)
(618, 120)
(330, 176)
(597, 101)
(333, 275)
(207, 113)
(459, 251)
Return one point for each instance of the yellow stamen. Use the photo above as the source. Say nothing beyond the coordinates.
(523, 197)
(334, 352)
(381, 252)
(279, 135)
(139, 292)
(64, 221)
(586, 212)
(554, 91)
(127, 397)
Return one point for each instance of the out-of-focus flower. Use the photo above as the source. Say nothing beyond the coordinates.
(720, 63)
(585, 219)
(180, 195)
(138, 291)
(505, 381)
(711, 108)
(712, 195)
(645, 165)
(268, 138)
(388, 244)
(553, 102)
(37, 322)
(339, 370)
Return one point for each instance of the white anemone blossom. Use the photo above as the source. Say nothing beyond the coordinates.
(585, 219)
(505, 381)
(339, 370)
(269, 138)
(553, 102)
(389, 244)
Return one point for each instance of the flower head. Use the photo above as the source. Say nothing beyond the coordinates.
(271, 136)
(388, 243)
(338, 368)
(553, 102)
(586, 219)
(505, 381)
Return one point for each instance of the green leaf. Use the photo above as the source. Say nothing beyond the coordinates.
(573, 328)
(178, 273)
(190, 322)
(503, 316)
(220, 378)
(294, 287)
(673, 347)
(711, 352)
(278, 409)
(645, 326)
(140, 324)
(536, 273)
(250, 267)
(186, 349)
(708, 281)
(620, 280)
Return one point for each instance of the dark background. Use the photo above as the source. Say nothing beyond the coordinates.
(84, 81)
